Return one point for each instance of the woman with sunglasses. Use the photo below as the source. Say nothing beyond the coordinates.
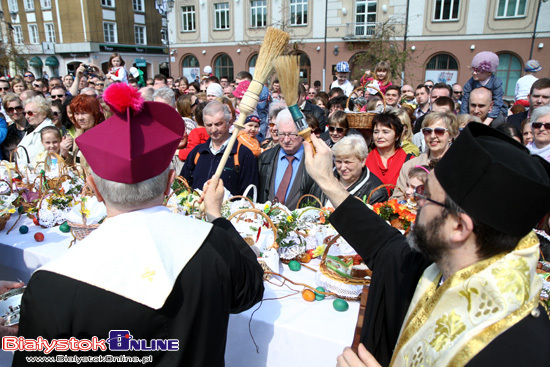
(19, 127)
(387, 158)
(18, 85)
(350, 154)
(439, 130)
(540, 126)
(38, 113)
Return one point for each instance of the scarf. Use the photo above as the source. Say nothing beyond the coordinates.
(450, 324)
(544, 152)
(388, 175)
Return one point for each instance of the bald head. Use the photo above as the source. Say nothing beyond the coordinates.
(481, 102)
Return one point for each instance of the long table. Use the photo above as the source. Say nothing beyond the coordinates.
(276, 332)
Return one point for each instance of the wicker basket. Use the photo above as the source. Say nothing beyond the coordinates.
(81, 230)
(337, 277)
(240, 213)
(4, 219)
(382, 186)
(309, 196)
(362, 120)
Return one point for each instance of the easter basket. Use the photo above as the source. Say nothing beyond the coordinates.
(362, 120)
(334, 273)
(268, 257)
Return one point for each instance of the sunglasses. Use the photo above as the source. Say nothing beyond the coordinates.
(457, 92)
(4, 88)
(339, 130)
(429, 86)
(538, 125)
(29, 76)
(420, 196)
(439, 131)
(13, 109)
(55, 96)
(37, 86)
(100, 84)
(29, 113)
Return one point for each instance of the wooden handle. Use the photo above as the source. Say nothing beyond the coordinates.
(306, 134)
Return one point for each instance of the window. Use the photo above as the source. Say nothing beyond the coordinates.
(109, 32)
(188, 19)
(164, 36)
(446, 9)
(12, 5)
(221, 16)
(33, 34)
(17, 34)
(509, 71)
(442, 62)
(108, 3)
(140, 36)
(365, 18)
(46, 4)
(252, 63)
(29, 5)
(258, 14)
(138, 5)
(442, 68)
(190, 62)
(298, 12)
(511, 8)
(50, 32)
(305, 67)
(223, 65)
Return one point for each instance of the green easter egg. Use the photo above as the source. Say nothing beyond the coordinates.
(340, 305)
(23, 229)
(20, 210)
(294, 265)
(65, 228)
(319, 296)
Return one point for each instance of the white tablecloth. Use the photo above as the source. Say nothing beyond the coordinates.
(288, 331)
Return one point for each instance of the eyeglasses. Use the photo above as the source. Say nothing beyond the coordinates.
(455, 92)
(339, 130)
(428, 86)
(439, 131)
(420, 195)
(16, 108)
(37, 86)
(538, 125)
(55, 96)
(29, 113)
(287, 135)
(100, 84)
(28, 75)
(4, 88)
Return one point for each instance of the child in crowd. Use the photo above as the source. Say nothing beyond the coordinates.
(417, 176)
(342, 82)
(483, 67)
(523, 85)
(380, 78)
(117, 72)
(247, 136)
(50, 136)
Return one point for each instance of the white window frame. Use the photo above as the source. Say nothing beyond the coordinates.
(12, 6)
(140, 8)
(46, 4)
(108, 3)
(114, 30)
(164, 35)
(221, 10)
(49, 31)
(34, 37)
(136, 34)
(18, 34)
(258, 9)
(188, 16)
(364, 28)
(29, 5)
(298, 7)
(442, 11)
(516, 15)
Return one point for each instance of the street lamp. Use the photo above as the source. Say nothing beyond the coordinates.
(169, 7)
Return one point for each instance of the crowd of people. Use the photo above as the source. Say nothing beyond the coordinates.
(422, 150)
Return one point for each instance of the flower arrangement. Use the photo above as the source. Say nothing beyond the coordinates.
(398, 215)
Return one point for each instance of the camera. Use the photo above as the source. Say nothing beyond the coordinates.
(88, 68)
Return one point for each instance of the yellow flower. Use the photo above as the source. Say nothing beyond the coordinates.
(319, 251)
(290, 219)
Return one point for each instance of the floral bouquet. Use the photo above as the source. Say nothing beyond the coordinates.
(398, 215)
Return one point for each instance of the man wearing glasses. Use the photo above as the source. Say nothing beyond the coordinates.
(457, 93)
(41, 86)
(281, 169)
(29, 79)
(58, 92)
(462, 288)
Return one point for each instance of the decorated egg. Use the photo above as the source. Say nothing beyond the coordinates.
(308, 295)
(39, 236)
(340, 305)
(320, 296)
(23, 229)
(65, 228)
(294, 265)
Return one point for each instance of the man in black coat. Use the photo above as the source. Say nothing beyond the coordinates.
(428, 300)
(538, 96)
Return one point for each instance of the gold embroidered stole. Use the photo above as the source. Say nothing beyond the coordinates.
(453, 322)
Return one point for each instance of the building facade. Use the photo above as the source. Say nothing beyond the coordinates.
(441, 36)
(55, 36)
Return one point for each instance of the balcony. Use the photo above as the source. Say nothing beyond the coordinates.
(360, 31)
